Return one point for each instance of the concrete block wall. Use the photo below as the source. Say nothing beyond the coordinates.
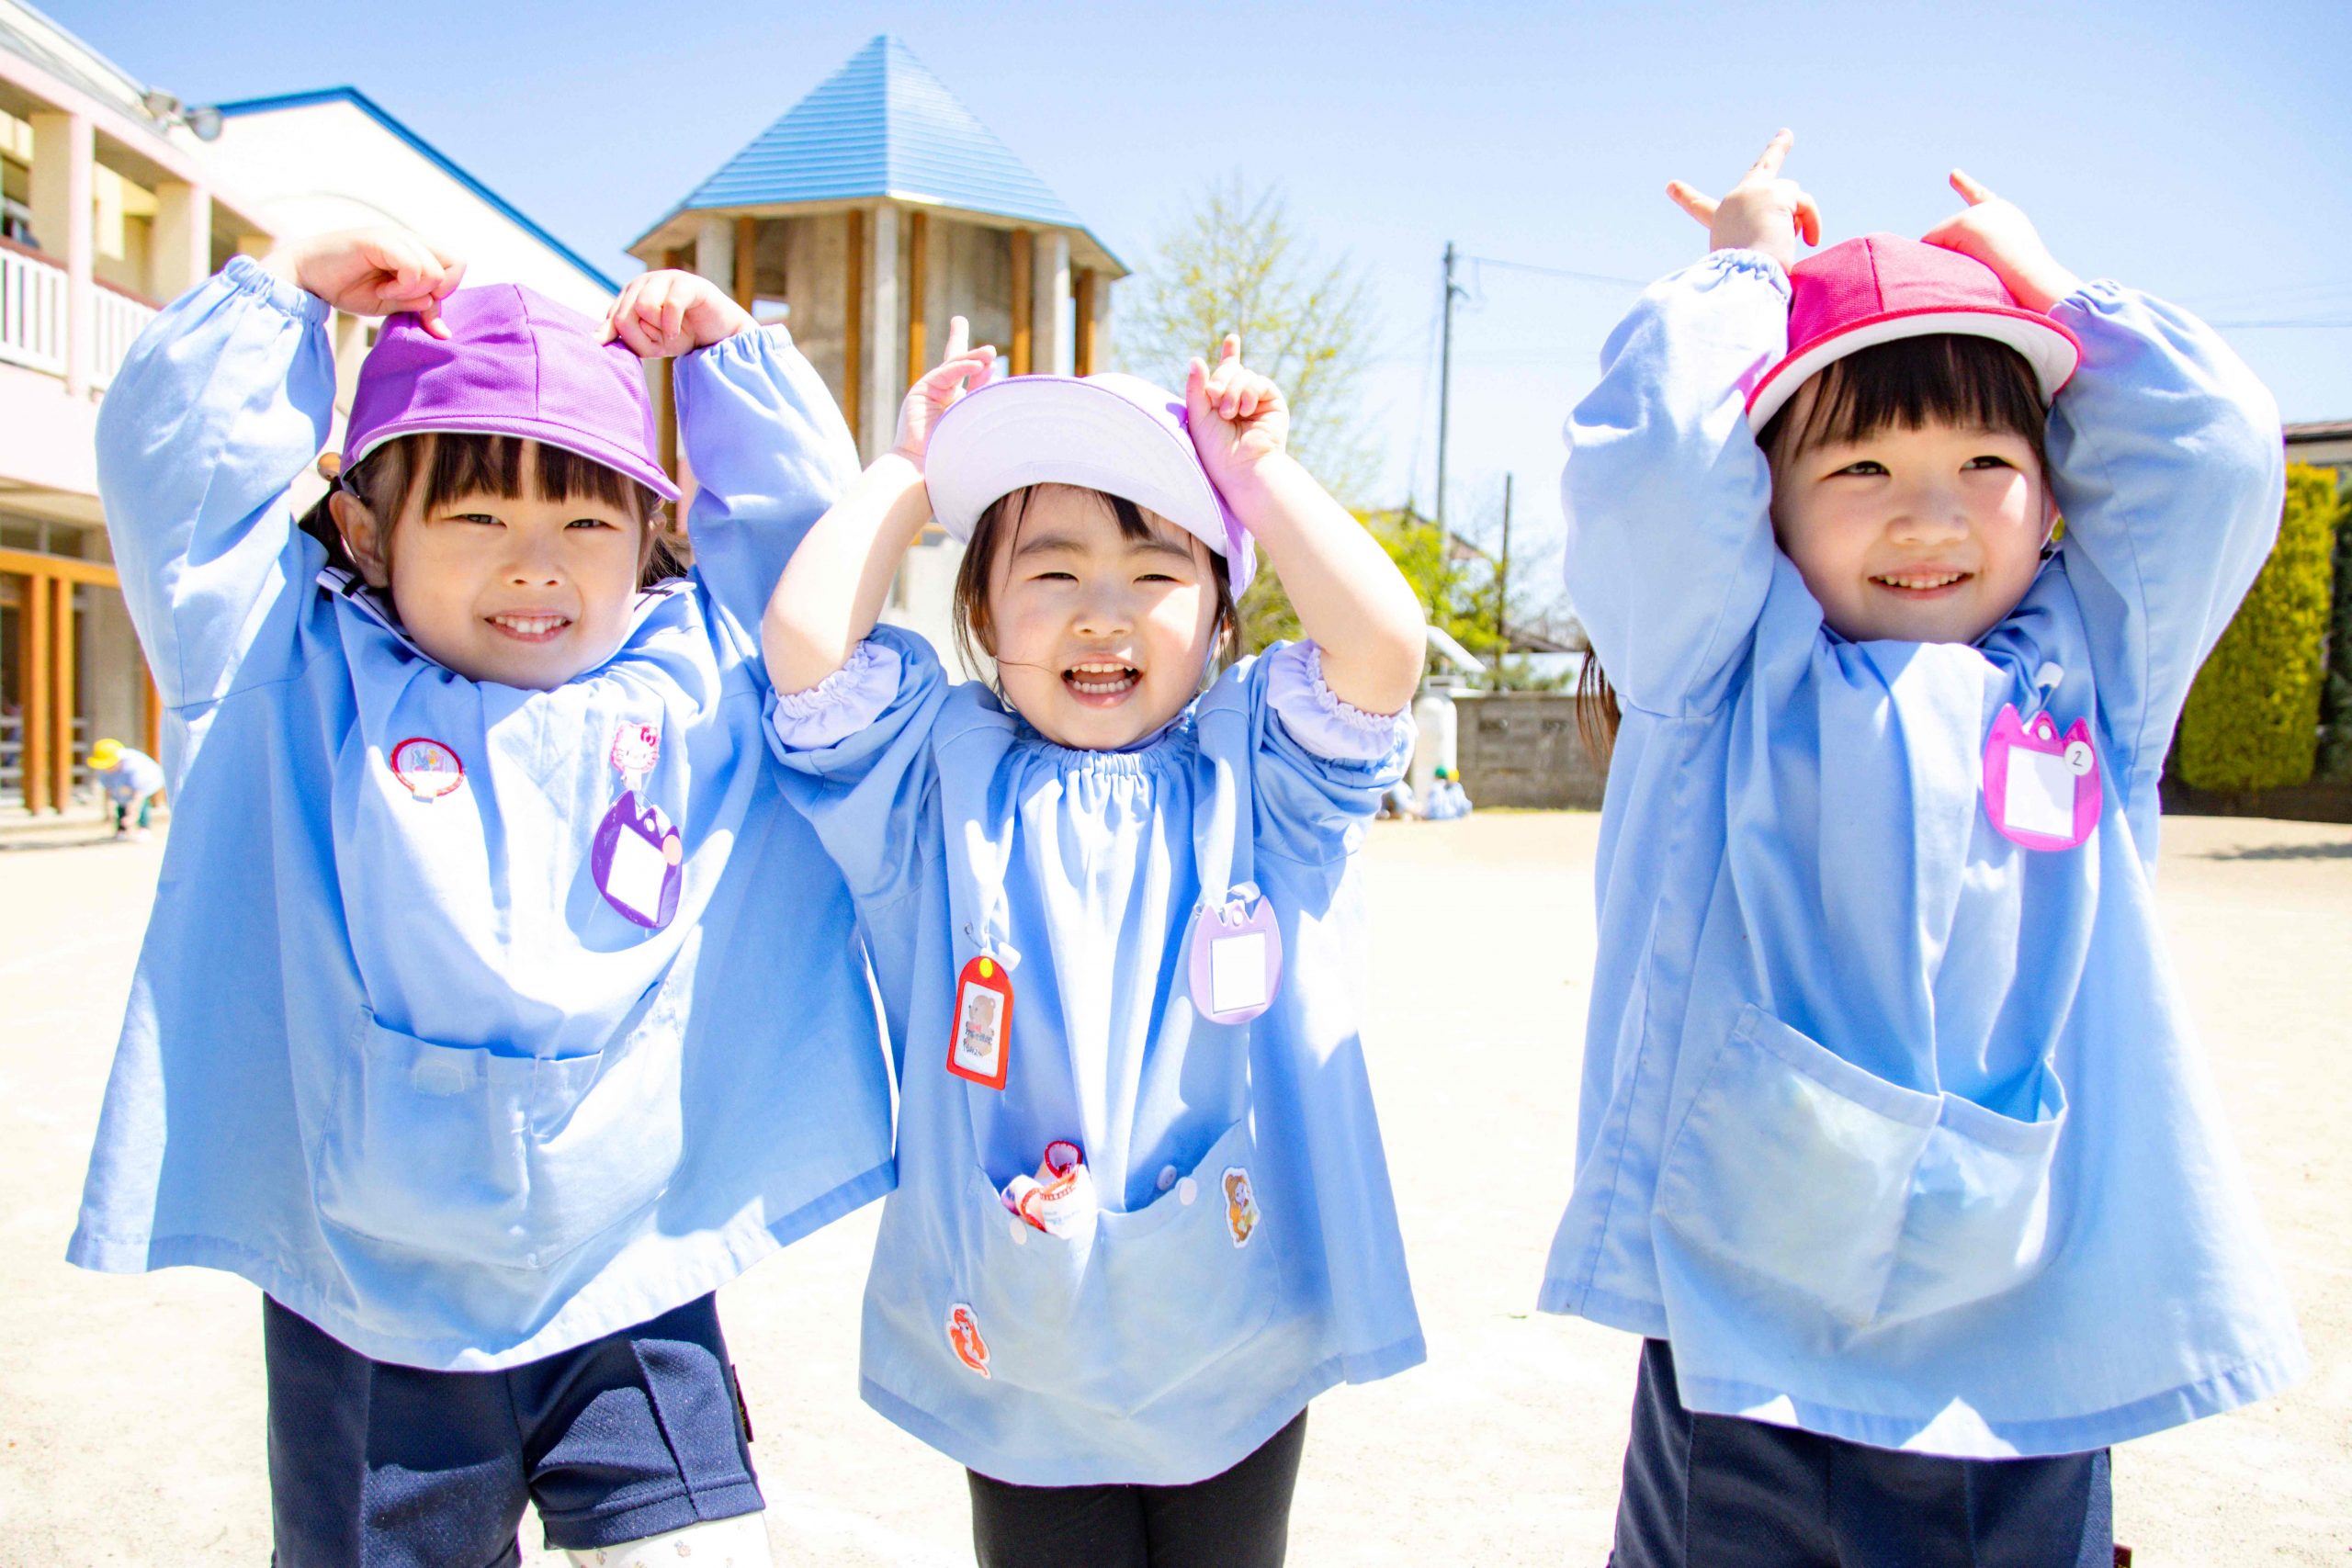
(1524, 748)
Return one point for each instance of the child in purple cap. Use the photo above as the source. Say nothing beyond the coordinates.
(1895, 1144)
(1143, 1215)
(426, 1041)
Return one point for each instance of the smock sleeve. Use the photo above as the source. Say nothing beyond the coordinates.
(1321, 765)
(1666, 496)
(220, 405)
(857, 758)
(770, 453)
(2167, 462)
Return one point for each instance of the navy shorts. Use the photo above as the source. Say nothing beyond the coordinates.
(1706, 1490)
(388, 1466)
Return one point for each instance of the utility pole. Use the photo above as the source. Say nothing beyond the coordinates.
(1446, 379)
(1502, 587)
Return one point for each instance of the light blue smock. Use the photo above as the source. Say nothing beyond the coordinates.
(396, 1060)
(1897, 1130)
(1155, 1346)
(136, 776)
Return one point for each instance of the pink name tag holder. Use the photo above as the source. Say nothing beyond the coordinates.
(635, 854)
(2042, 785)
(1236, 958)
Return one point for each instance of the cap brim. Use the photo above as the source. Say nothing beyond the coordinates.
(1030, 430)
(2049, 348)
(595, 450)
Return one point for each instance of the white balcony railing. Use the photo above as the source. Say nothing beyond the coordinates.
(32, 311)
(117, 321)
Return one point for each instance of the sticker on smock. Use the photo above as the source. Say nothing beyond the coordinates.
(981, 1048)
(1241, 1205)
(964, 1338)
(2041, 787)
(426, 769)
(637, 854)
(1237, 962)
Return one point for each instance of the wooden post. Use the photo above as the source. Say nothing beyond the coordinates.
(665, 401)
(36, 691)
(747, 243)
(63, 666)
(1082, 285)
(1025, 283)
(853, 329)
(918, 346)
(151, 732)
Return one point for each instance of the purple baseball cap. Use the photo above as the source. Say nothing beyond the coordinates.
(515, 362)
(1116, 434)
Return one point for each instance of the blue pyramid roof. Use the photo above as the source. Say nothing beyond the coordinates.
(882, 126)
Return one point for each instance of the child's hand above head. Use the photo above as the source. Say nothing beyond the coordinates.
(960, 370)
(662, 314)
(1998, 233)
(372, 272)
(1763, 212)
(1239, 417)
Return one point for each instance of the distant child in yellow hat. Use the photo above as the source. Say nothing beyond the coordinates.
(130, 778)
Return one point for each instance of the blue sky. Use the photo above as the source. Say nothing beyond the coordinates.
(2195, 151)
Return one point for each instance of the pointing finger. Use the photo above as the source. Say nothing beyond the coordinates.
(1969, 189)
(1768, 163)
(1700, 207)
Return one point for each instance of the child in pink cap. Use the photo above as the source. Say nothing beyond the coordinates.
(426, 1041)
(1895, 1144)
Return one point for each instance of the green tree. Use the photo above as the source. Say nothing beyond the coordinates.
(1237, 263)
(2252, 719)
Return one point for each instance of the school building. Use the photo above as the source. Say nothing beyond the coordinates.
(114, 198)
(873, 209)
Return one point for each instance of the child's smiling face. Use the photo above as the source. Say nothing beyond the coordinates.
(524, 590)
(1930, 534)
(1099, 638)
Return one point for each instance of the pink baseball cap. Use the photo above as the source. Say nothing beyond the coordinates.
(1116, 434)
(1861, 293)
(515, 362)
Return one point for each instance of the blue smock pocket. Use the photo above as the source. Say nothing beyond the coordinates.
(1131, 1306)
(456, 1151)
(1877, 1202)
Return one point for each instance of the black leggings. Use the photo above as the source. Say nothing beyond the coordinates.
(1239, 1519)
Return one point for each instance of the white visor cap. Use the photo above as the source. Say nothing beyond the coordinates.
(1119, 434)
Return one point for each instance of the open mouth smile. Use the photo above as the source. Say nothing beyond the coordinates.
(530, 628)
(1101, 683)
(1921, 584)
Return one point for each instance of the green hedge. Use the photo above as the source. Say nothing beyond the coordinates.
(2251, 720)
(2336, 702)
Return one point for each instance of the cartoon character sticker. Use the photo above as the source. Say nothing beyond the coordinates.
(1241, 1205)
(2042, 788)
(979, 1050)
(964, 1338)
(426, 769)
(637, 852)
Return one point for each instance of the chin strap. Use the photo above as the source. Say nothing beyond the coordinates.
(2050, 540)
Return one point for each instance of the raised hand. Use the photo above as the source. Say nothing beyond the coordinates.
(372, 272)
(662, 314)
(1763, 212)
(1239, 418)
(960, 370)
(1998, 233)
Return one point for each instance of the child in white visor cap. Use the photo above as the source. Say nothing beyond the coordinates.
(1143, 1214)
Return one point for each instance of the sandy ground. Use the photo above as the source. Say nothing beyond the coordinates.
(130, 1409)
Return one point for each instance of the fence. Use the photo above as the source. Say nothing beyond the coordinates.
(32, 310)
(117, 319)
(1524, 748)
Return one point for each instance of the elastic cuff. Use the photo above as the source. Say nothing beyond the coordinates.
(842, 704)
(1717, 265)
(1316, 717)
(748, 344)
(244, 273)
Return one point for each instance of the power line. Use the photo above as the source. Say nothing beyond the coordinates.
(1560, 272)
